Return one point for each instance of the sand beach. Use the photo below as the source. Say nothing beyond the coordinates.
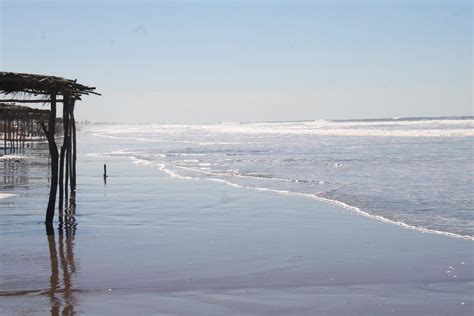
(151, 244)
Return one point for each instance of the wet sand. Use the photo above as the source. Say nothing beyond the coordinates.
(149, 244)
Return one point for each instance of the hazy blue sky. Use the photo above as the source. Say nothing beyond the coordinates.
(207, 61)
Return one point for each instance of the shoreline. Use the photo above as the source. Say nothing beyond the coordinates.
(343, 205)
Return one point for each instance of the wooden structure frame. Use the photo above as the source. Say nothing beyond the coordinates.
(20, 124)
(31, 88)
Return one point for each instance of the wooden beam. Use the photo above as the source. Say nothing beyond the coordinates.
(29, 101)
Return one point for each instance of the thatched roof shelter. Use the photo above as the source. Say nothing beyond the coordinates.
(24, 86)
(13, 111)
(31, 88)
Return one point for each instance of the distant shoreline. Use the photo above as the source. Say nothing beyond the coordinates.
(394, 119)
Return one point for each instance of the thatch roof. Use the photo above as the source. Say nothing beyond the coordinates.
(13, 111)
(25, 85)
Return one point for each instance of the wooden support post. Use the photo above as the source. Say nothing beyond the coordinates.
(53, 151)
(61, 160)
(17, 132)
(69, 149)
(74, 155)
(5, 134)
(105, 173)
(10, 135)
(68, 154)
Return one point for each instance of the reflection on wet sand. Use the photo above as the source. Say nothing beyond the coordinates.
(18, 170)
(62, 297)
(14, 172)
(60, 291)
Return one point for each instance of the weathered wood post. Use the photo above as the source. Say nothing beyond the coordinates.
(105, 173)
(74, 155)
(53, 151)
(61, 159)
(10, 134)
(5, 135)
(67, 135)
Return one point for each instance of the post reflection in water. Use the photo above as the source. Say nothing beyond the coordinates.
(62, 298)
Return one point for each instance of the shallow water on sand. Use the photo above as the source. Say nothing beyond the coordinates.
(148, 243)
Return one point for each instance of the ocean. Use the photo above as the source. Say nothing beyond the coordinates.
(413, 172)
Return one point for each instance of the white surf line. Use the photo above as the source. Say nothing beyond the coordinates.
(141, 139)
(326, 200)
(349, 207)
(6, 195)
(252, 177)
(355, 209)
(11, 157)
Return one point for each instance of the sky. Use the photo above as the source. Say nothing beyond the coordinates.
(227, 61)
